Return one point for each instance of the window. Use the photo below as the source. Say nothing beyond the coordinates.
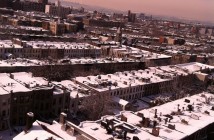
(3, 126)
(4, 102)
(15, 99)
(60, 100)
(3, 113)
(46, 106)
(54, 102)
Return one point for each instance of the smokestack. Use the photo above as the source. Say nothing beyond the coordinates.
(62, 118)
(29, 121)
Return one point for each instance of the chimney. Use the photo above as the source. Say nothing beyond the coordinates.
(146, 122)
(179, 108)
(29, 121)
(11, 76)
(166, 120)
(135, 138)
(124, 135)
(62, 118)
(50, 138)
(123, 118)
(156, 131)
(154, 124)
(155, 113)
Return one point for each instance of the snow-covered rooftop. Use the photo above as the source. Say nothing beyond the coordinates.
(11, 85)
(200, 117)
(36, 132)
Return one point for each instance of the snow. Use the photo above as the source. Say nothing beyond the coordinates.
(9, 84)
(36, 131)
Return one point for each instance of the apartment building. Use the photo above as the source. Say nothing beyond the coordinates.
(180, 119)
(130, 85)
(76, 94)
(21, 99)
(103, 23)
(42, 93)
(40, 49)
(5, 98)
(59, 10)
(122, 51)
(22, 93)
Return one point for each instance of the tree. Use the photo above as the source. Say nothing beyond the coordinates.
(96, 106)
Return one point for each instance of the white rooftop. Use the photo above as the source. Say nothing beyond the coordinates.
(28, 79)
(36, 132)
(11, 85)
(201, 103)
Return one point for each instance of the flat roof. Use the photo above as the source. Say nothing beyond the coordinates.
(28, 79)
(11, 85)
(73, 88)
(195, 66)
(197, 119)
(19, 62)
(36, 132)
(132, 78)
(3, 92)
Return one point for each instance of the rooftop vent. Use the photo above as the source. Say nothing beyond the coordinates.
(187, 100)
(170, 126)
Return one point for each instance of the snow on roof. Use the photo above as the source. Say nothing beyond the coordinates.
(195, 66)
(181, 131)
(61, 45)
(3, 92)
(19, 62)
(11, 85)
(193, 124)
(73, 88)
(56, 128)
(96, 130)
(120, 101)
(27, 78)
(133, 78)
(36, 132)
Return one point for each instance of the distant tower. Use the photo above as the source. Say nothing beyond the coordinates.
(129, 13)
(58, 3)
(118, 37)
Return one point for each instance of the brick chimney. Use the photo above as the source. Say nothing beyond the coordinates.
(29, 121)
(62, 118)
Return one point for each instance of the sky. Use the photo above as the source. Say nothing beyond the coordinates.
(202, 10)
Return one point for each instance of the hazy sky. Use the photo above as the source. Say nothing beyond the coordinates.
(190, 9)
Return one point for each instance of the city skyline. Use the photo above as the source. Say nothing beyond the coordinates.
(193, 10)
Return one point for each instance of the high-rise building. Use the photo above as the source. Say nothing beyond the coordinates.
(58, 3)
(131, 16)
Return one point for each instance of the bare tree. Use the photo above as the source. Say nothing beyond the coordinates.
(96, 106)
